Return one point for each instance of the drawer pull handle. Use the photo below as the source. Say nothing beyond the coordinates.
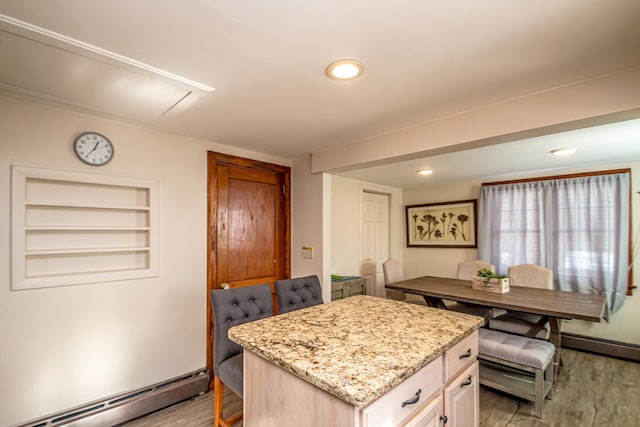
(467, 354)
(444, 419)
(412, 400)
(467, 382)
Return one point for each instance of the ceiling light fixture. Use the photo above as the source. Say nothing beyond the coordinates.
(344, 69)
(562, 151)
(425, 172)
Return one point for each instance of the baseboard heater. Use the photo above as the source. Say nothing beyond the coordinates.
(124, 407)
(602, 346)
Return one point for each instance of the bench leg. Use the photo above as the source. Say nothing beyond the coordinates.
(548, 376)
(539, 389)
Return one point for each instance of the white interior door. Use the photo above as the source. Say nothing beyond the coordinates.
(375, 237)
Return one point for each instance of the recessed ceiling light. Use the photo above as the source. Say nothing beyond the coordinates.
(425, 172)
(562, 151)
(345, 69)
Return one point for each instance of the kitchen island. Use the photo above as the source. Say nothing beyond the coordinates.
(360, 361)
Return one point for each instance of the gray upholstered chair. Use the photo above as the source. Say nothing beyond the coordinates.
(299, 292)
(233, 307)
(516, 322)
(466, 270)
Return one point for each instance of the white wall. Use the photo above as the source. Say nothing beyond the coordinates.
(624, 325)
(346, 223)
(434, 261)
(306, 225)
(66, 346)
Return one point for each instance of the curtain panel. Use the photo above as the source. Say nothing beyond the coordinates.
(578, 227)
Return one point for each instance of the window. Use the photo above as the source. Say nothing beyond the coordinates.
(576, 225)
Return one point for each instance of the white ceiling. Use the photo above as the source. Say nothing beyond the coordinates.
(423, 59)
(595, 146)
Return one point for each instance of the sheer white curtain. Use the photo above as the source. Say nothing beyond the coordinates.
(578, 227)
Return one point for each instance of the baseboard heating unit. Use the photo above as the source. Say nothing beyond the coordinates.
(602, 346)
(124, 407)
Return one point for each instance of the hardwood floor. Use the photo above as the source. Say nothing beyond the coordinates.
(591, 390)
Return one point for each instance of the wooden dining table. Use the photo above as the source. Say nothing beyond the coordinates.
(552, 305)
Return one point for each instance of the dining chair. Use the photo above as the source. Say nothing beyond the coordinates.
(392, 272)
(519, 323)
(466, 270)
(233, 307)
(300, 292)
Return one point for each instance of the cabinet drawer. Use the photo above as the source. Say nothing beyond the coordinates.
(460, 355)
(388, 409)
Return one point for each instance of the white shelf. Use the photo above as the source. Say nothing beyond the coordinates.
(70, 228)
(86, 206)
(42, 252)
(83, 228)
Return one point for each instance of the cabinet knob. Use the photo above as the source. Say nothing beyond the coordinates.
(444, 419)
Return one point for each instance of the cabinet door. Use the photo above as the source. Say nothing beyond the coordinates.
(461, 399)
(430, 415)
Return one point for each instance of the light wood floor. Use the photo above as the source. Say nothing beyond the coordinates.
(591, 391)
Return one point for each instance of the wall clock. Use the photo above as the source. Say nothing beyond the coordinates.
(93, 148)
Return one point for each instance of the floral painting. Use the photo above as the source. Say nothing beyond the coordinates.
(445, 225)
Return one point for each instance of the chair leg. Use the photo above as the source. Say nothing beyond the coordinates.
(218, 406)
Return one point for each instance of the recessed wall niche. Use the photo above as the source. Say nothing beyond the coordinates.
(71, 228)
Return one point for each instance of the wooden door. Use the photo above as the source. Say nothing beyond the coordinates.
(248, 226)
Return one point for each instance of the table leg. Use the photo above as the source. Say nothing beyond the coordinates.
(434, 302)
(554, 338)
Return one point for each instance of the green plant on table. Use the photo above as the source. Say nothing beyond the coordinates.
(488, 274)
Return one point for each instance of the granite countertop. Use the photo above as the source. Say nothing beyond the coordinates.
(357, 348)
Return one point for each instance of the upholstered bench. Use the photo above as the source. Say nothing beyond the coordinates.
(516, 365)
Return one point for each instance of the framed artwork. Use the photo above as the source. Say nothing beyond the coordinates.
(442, 225)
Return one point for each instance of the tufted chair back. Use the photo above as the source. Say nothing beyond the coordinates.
(300, 292)
(233, 307)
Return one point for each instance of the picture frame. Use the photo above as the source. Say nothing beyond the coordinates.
(442, 225)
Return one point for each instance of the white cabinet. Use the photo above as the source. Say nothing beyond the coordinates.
(430, 415)
(461, 399)
(457, 404)
(434, 396)
(407, 398)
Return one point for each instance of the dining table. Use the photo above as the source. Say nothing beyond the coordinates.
(552, 305)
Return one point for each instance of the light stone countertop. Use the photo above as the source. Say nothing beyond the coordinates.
(356, 348)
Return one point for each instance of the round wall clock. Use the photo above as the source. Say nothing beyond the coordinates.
(93, 149)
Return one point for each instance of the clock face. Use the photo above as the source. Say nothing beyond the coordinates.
(93, 149)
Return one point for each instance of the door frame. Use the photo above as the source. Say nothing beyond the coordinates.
(214, 160)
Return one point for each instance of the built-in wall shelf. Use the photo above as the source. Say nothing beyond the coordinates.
(71, 228)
